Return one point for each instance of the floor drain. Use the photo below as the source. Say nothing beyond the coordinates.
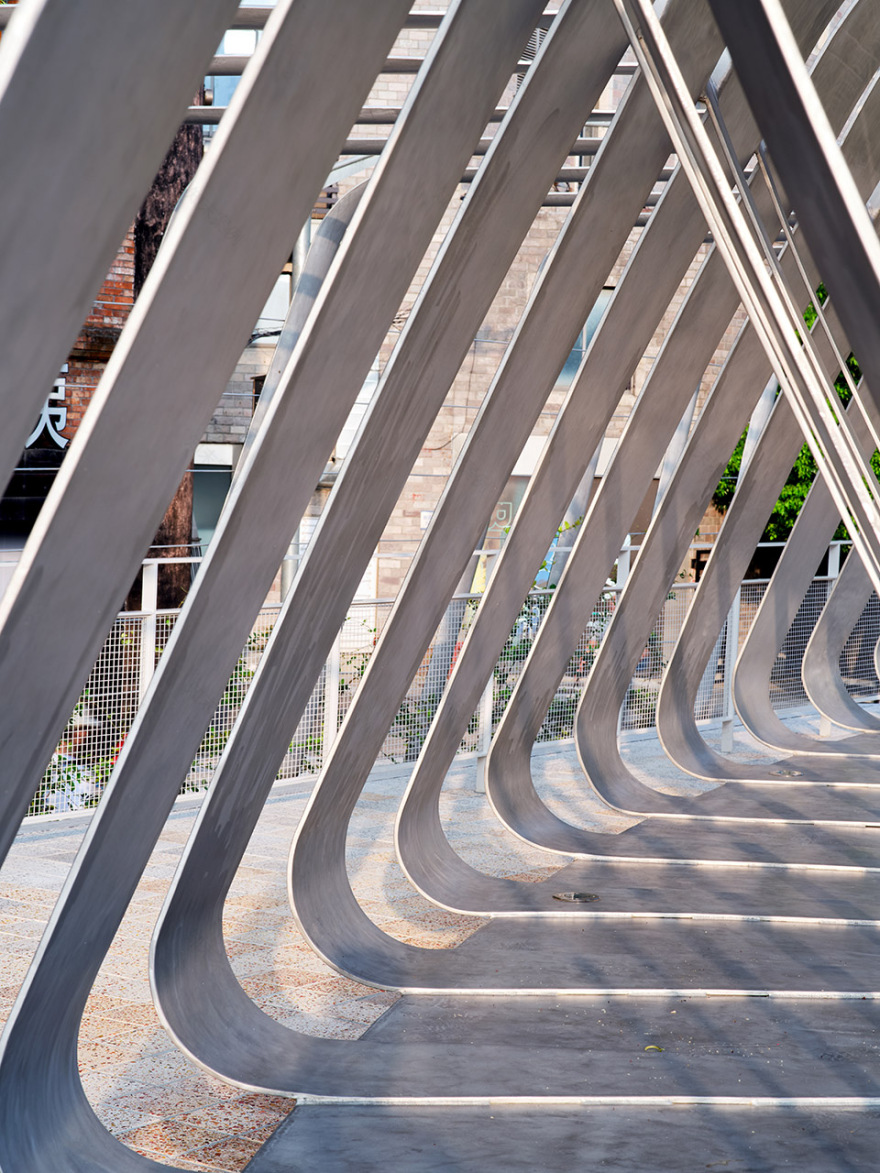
(786, 773)
(575, 897)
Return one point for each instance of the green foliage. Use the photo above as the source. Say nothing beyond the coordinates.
(233, 696)
(641, 707)
(516, 650)
(726, 487)
(417, 712)
(794, 492)
(85, 772)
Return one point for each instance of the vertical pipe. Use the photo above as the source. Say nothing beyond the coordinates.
(487, 703)
(149, 604)
(331, 697)
(731, 649)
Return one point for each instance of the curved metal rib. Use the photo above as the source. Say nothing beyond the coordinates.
(426, 856)
(315, 385)
(836, 214)
(831, 210)
(572, 68)
(699, 759)
(598, 740)
(785, 593)
(649, 281)
(631, 156)
(739, 535)
(573, 257)
(510, 784)
(660, 556)
(352, 943)
(676, 723)
(823, 683)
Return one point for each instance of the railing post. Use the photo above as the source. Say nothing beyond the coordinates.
(487, 703)
(290, 565)
(623, 565)
(833, 572)
(834, 559)
(623, 562)
(149, 605)
(331, 697)
(731, 648)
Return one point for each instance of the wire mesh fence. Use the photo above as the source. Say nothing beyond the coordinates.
(85, 756)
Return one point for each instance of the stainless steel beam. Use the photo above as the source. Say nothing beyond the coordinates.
(511, 1050)
(571, 69)
(187, 319)
(381, 115)
(830, 209)
(752, 683)
(850, 593)
(708, 308)
(800, 558)
(632, 153)
(767, 299)
(375, 146)
(233, 65)
(661, 553)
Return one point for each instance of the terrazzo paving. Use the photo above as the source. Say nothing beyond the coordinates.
(141, 1086)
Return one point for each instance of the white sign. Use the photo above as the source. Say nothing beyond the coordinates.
(53, 417)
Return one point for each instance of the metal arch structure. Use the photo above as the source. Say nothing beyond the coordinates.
(611, 510)
(763, 886)
(785, 594)
(849, 597)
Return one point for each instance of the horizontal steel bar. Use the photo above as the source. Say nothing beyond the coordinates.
(255, 18)
(566, 175)
(234, 64)
(375, 146)
(373, 115)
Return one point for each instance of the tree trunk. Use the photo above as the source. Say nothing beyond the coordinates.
(175, 533)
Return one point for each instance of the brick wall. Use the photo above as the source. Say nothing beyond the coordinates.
(94, 345)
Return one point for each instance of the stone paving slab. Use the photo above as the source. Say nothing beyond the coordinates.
(504, 1139)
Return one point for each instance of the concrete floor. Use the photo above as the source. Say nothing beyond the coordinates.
(143, 1089)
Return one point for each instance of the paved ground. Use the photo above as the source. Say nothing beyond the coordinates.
(143, 1089)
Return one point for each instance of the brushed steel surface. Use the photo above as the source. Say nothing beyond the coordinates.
(426, 856)
(567, 289)
(633, 152)
(573, 66)
(798, 563)
(497, 1138)
(748, 250)
(820, 671)
(641, 600)
(830, 209)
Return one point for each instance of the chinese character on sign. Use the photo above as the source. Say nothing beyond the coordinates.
(53, 417)
(503, 516)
